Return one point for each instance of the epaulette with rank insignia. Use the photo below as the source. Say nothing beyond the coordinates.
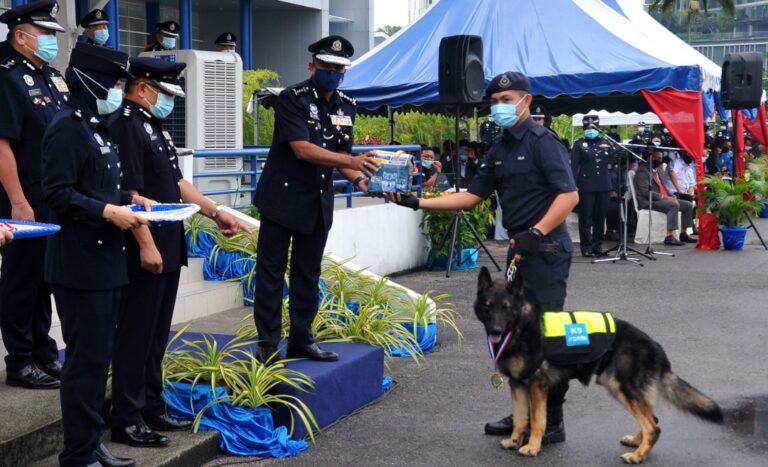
(7, 64)
(77, 114)
(301, 91)
(126, 112)
(350, 99)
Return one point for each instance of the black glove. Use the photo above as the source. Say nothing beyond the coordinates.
(527, 243)
(409, 202)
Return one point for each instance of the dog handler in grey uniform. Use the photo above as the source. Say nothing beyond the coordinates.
(529, 168)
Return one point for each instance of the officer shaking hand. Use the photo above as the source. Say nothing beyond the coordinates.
(313, 134)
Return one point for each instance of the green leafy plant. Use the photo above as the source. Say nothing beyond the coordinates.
(731, 201)
(757, 173)
(254, 385)
(425, 309)
(198, 224)
(437, 224)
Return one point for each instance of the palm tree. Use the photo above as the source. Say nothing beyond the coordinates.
(694, 6)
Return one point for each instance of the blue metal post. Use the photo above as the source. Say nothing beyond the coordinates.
(185, 22)
(15, 3)
(246, 34)
(152, 13)
(112, 9)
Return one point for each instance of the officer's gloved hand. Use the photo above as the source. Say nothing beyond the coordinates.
(409, 202)
(528, 242)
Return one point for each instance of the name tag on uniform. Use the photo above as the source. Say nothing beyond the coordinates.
(341, 120)
(521, 158)
(60, 84)
(104, 150)
(35, 92)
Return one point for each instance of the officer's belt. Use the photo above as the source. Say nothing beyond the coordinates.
(544, 247)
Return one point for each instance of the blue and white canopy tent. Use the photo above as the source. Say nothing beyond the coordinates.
(579, 55)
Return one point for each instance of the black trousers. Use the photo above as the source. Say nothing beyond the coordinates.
(88, 323)
(593, 207)
(146, 311)
(306, 260)
(25, 305)
(545, 276)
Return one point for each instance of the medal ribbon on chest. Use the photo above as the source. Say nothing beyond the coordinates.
(497, 380)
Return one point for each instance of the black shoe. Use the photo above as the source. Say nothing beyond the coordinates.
(503, 427)
(670, 240)
(598, 251)
(688, 239)
(52, 369)
(139, 436)
(31, 377)
(587, 254)
(264, 354)
(312, 352)
(165, 422)
(106, 459)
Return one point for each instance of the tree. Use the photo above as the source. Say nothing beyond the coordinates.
(389, 29)
(694, 7)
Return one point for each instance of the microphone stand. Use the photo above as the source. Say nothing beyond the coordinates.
(622, 248)
(649, 252)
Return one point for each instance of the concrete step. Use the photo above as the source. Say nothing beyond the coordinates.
(31, 427)
(186, 450)
(202, 298)
(193, 272)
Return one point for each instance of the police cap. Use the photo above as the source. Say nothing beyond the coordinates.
(332, 49)
(161, 73)
(42, 14)
(539, 111)
(508, 81)
(168, 28)
(590, 120)
(89, 57)
(226, 39)
(94, 18)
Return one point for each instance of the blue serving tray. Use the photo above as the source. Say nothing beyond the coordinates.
(40, 229)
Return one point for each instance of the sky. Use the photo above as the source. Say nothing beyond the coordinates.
(394, 12)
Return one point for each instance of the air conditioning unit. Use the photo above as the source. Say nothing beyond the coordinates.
(211, 116)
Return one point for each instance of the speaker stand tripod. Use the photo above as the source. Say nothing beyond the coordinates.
(458, 217)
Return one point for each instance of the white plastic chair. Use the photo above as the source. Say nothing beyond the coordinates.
(658, 219)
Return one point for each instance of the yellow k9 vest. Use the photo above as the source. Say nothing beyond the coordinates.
(577, 337)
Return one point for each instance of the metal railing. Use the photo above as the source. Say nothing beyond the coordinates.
(256, 156)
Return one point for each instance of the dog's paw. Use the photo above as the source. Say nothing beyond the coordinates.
(630, 441)
(511, 443)
(528, 451)
(632, 458)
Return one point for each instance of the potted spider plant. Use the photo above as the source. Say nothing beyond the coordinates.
(757, 171)
(200, 234)
(426, 313)
(732, 202)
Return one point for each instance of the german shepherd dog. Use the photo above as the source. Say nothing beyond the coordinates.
(634, 371)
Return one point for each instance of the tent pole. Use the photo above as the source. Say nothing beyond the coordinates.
(391, 117)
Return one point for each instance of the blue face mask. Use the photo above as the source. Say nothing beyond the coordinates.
(641, 129)
(426, 164)
(47, 47)
(591, 133)
(163, 107)
(113, 102)
(328, 80)
(101, 36)
(463, 156)
(169, 42)
(505, 115)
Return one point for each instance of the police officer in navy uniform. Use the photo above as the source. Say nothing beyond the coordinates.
(166, 36)
(155, 254)
(313, 134)
(31, 92)
(96, 27)
(643, 135)
(85, 261)
(528, 167)
(591, 158)
(226, 42)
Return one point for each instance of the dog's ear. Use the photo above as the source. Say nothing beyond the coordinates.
(515, 287)
(484, 280)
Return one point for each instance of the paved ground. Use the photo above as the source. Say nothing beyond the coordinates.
(708, 309)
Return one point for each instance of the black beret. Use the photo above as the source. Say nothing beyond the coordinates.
(42, 13)
(168, 28)
(590, 119)
(538, 111)
(226, 39)
(508, 81)
(94, 18)
(164, 74)
(332, 49)
(89, 57)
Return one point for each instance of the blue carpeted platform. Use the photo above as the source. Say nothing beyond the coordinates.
(340, 387)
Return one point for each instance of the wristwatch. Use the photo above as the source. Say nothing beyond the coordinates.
(216, 211)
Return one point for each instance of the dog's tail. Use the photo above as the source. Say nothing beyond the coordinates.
(687, 398)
